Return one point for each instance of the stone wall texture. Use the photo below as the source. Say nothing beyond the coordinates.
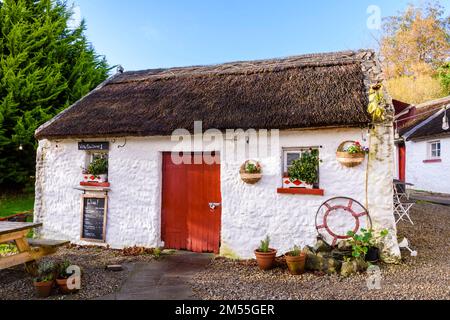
(249, 212)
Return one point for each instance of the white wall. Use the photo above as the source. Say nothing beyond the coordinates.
(249, 213)
(434, 177)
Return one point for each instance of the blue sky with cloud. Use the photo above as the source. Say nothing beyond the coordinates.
(142, 34)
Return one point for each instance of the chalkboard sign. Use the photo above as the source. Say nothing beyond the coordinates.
(93, 146)
(93, 218)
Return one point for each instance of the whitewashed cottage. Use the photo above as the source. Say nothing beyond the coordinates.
(292, 106)
(423, 145)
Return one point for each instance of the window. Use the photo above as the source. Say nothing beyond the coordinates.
(97, 155)
(434, 150)
(92, 156)
(292, 154)
(298, 187)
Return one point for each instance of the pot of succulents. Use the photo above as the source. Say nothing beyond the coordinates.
(44, 281)
(352, 155)
(250, 172)
(97, 172)
(295, 261)
(367, 244)
(304, 172)
(265, 256)
(62, 278)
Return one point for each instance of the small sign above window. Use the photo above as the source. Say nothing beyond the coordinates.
(93, 146)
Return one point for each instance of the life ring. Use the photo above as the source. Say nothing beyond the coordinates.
(340, 205)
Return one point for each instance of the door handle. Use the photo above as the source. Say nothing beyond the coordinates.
(214, 205)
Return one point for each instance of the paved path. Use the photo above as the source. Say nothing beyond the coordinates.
(430, 197)
(165, 279)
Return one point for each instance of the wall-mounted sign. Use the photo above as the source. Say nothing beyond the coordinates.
(93, 146)
(93, 218)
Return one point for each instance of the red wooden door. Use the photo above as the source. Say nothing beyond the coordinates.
(402, 162)
(188, 223)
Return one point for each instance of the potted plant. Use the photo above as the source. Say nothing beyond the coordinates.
(63, 276)
(265, 256)
(353, 155)
(304, 172)
(295, 261)
(97, 171)
(250, 172)
(44, 281)
(367, 244)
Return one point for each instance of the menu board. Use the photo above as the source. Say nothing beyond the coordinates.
(93, 220)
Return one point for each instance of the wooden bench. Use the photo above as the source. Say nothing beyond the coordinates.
(27, 254)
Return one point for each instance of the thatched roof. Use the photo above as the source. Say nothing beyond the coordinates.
(298, 92)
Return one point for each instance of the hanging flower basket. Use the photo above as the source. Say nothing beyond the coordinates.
(250, 172)
(352, 156)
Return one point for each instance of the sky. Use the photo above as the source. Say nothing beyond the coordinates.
(143, 34)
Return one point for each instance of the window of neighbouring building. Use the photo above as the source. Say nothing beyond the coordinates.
(434, 150)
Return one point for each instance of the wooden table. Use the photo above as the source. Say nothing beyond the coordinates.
(17, 232)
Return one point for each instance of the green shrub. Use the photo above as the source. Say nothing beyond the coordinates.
(98, 166)
(306, 168)
(362, 242)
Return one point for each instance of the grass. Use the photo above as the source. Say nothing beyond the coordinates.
(13, 204)
(7, 249)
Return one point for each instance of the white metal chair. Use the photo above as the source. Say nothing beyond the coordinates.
(402, 204)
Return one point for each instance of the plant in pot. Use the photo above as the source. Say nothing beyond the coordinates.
(250, 172)
(367, 244)
(352, 155)
(63, 276)
(295, 261)
(44, 281)
(305, 170)
(265, 256)
(97, 171)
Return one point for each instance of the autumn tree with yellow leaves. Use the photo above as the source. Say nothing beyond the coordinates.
(415, 47)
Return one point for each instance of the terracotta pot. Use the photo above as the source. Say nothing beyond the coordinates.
(296, 264)
(62, 285)
(265, 259)
(43, 289)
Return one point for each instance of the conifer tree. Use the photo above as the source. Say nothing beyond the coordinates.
(45, 66)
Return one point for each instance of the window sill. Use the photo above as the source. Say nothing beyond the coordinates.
(95, 184)
(314, 192)
(432, 161)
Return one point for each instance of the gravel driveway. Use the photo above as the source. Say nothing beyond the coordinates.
(15, 284)
(426, 276)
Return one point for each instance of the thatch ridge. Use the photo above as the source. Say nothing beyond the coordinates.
(315, 90)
